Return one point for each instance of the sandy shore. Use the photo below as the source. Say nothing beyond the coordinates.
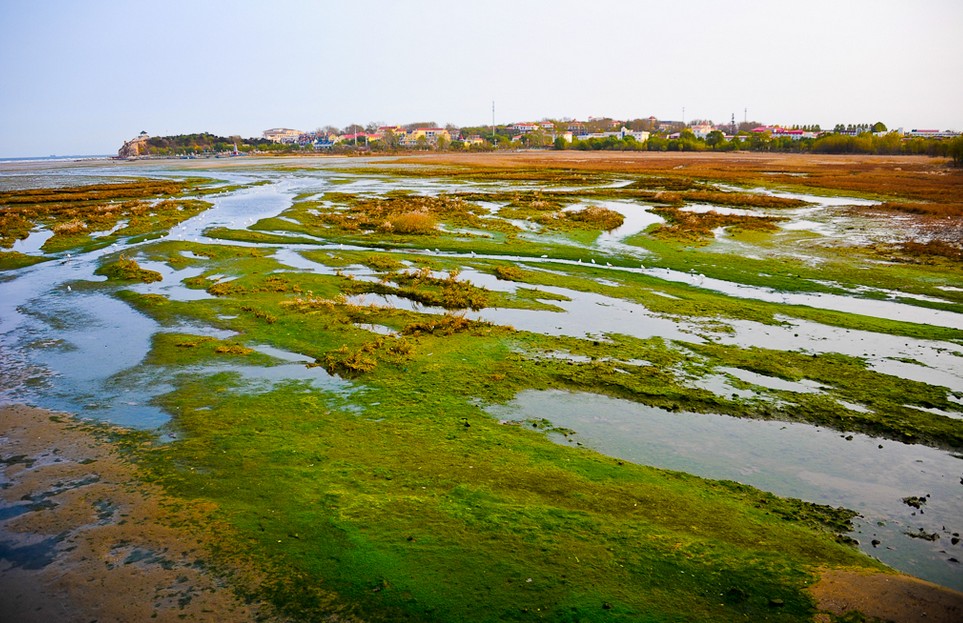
(83, 539)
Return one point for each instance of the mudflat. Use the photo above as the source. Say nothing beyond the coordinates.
(82, 538)
(897, 598)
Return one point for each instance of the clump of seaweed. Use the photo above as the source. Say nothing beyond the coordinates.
(232, 349)
(697, 225)
(410, 224)
(422, 286)
(127, 269)
(595, 217)
(447, 324)
(509, 273)
(350, 363)
(405, 215)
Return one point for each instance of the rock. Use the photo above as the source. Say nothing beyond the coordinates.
(776, 603)
(133, 147)
(916, 501)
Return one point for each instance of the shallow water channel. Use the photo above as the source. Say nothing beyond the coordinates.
(855, 471)
(65, 344)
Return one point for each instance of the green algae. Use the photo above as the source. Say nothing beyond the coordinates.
(385, 505)
(12, 260)
(127, 269)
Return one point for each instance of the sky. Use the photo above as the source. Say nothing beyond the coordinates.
(81, 76)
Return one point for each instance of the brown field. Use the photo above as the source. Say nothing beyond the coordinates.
(914, 178)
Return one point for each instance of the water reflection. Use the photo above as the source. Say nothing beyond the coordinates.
(866, 474)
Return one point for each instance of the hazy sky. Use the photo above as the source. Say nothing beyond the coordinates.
(80, 77)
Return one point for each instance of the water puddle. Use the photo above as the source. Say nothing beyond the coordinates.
(703, 208)
(804, 386)
(866, 474)
(31, 244)
(889, 310)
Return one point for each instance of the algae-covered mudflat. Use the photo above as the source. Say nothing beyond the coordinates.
(566, 387)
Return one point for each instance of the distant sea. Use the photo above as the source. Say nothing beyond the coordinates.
(46, 158)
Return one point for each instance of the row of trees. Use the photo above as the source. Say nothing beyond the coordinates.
(866, 143)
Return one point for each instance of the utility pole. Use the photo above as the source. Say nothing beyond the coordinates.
(493, 121)
(683, 115)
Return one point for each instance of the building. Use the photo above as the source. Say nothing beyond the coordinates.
(282, 135)
(431, 136)
(641, 135)
(702, 130)
(776, 131)
(932, 134)
(525, 127)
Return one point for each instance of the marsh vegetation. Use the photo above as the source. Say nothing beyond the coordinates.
(375, 483)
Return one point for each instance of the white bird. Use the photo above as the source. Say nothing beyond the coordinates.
(607, 264)
(544, 256)
(68, 289)
(593, 260)
(580, 261)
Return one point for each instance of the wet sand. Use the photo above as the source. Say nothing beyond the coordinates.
(82, 538)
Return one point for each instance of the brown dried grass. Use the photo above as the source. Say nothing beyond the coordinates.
(919, 178)
(694, 225)
(595, 217)
(410, 224)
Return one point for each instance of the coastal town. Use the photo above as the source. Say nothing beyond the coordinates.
(549, 132)
(594, 133)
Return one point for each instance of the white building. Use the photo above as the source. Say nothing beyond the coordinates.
(282, 135)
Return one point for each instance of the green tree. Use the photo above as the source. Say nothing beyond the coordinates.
(760, 141)
(879, 126)
(657, 143)
(391, 140)
(955, 150)
(715, 139)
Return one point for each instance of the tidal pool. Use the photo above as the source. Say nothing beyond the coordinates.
(869, 475)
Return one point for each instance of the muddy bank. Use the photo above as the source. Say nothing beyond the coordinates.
(82, 539)
(897, 598)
